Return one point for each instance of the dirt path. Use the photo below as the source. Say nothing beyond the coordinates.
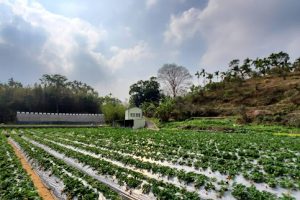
(151, 125)
(43, 191)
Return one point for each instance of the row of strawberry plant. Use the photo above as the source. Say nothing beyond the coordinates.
(14, 181)
(198, 180)
(273, 168)
(73, 187)
(241, 192)
(151, 149)
(224, 188)
(132, 179)
(284, 174)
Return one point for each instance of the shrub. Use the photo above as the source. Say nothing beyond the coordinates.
(149, 109)
(214, 86)
(244, 118)
(293, 120)
(164, 110)
(113, 111)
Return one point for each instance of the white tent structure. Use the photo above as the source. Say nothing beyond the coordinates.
(59, 118)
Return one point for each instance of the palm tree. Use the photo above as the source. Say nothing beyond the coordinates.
(198, 76)
(223, 75)
(210, 77)
(234, 66)
(217, 75)
(203, 73)
(245, 69)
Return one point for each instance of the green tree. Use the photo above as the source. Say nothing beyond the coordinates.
(245, 68)
(296, 65)
(234, 67)
(262, 65)
(164, 110)
(55, 85)
(54, 91)
(149, 109)
(210, 77)
(145, 91)
(14, 84)
(203, 74)
(280, 63)
(195, 89)
(55, 80)
(223, 75)
(197, 74)
(217, 73)
(77, 87)
(113, 109)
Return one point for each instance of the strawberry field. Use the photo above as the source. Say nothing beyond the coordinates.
(177, 162)
(14, 182)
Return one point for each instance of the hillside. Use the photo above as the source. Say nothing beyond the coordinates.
(261, 99)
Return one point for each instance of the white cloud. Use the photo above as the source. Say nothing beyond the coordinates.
(68, 36)
(2, 41)
(182, 27)
(77, 48)
(151, 3)
(72, 47)
(62, 35)
(237, 29)
(128, 31)
(129, 55)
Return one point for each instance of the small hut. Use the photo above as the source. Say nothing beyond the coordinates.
(135, 114)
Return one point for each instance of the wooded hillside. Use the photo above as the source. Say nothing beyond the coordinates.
(263, 99)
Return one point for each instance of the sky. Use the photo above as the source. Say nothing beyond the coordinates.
(111, 44)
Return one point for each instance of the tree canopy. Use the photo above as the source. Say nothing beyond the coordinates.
(145, 91)
(112, 108)
(54, 93)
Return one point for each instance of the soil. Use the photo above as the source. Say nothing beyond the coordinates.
(43, 191)
(151, 125)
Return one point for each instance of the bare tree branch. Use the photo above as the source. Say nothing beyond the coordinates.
(176, 79)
